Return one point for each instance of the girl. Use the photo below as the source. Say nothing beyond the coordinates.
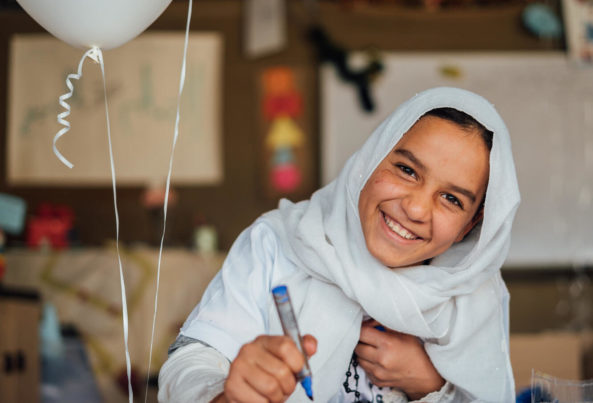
(410, 236)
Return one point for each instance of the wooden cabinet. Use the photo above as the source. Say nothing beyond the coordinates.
(19, 346)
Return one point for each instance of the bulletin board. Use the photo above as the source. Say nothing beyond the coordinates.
(547, 104)
(142, 89)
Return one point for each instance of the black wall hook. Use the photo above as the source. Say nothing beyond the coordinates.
(361, 79)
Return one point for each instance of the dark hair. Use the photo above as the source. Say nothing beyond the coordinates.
(464, 120)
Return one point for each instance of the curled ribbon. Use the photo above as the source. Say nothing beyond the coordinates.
(95, 54)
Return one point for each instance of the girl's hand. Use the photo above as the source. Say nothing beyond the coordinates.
(395, 359)
(264, 370)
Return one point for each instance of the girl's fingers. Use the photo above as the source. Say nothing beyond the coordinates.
(309, 344)
(367, 365)
(238, 390)
(376, 374)
(264, 368)
(371, 322)
(284, 349)
(284, 376)
(269, 385)
(366, 352)
(373, 336)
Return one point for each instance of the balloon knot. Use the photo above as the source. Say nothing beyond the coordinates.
(95, 54)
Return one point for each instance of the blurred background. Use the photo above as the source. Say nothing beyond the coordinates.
(278, 93)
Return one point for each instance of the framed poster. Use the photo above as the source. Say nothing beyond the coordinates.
(142, 79)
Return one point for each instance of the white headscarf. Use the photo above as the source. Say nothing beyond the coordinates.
(457, 303)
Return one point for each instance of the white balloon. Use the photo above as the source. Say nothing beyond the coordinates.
(105, 24)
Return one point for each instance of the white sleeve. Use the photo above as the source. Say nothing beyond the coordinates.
(447, 394)
(193, 373)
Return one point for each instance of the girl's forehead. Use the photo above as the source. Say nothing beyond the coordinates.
(393, 130)
(431, 129)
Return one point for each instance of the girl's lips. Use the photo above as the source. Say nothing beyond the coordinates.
(398, 229)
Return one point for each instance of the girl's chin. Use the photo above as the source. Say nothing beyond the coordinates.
(397, 262)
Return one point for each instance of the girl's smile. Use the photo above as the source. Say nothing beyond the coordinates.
(398, 229)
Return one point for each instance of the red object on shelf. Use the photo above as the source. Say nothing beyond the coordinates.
(2, 266)
(50, 226)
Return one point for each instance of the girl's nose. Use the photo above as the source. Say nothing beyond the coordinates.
(417, 206)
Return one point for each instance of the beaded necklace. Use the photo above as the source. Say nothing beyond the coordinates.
(352, 367)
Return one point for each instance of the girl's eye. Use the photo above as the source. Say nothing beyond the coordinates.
(406, 170)
(453, 200)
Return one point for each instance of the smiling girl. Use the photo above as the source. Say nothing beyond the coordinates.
(393, 268)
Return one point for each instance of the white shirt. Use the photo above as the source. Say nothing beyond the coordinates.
(233, 311)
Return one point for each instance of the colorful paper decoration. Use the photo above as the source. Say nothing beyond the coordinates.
(278, 81)
(283, 155)
(286, 177)
(284, 133)
(289, 104)
(281, 106)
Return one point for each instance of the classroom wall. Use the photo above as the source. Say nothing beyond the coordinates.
(238, 201)
(235, 203)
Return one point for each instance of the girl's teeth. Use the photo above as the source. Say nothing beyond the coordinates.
(398, 229)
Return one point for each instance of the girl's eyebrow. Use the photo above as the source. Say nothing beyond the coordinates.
(467, 193)
(409, 155)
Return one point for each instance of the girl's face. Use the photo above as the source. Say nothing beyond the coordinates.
(424, 195)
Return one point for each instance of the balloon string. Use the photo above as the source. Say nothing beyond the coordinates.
(166, 201)
(96, 54)
(93, 53)
(121, 273)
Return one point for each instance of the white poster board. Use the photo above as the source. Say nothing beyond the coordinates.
(142, 89)
(547, 104)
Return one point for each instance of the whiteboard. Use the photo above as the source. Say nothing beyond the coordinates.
(142, 79)
(547, 104)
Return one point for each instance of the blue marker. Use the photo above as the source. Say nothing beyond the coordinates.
(291, 329)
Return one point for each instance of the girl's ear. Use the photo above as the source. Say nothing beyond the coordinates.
(475, 220)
